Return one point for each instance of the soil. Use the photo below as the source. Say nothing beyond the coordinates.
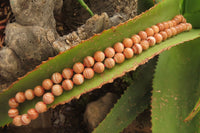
(74, 15)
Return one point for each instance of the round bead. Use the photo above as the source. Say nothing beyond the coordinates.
(47, 84)
(144, 44)
(189, 26)
(174, 22)
(20, 97)
(32, 113)
(67, 85)
(128, 53)
(38, 91)
(155, 28)
(164, 35)
(119, 58)
(99, 56)
(17, 120)
(25, 119)
(13, 103)
(109, 52)
(174, 31)
(143, 35)
(184, 20)
(78, 79)
(184, 27)
(119, 47)
(178, 29)
(56, 78)
(40, 107)
(88, 73)
(88, 61)
(170, 24)
(13, 112)
(78, 67)
(67, 73)
(169, 32)
(109, 63)
(29, 94)
(158, 37)
(128, 43)
(57, 90)
(99, 67)
(166, 25)
(178, 18)
(161, 26)
(149, 31)
(136, 39)
(48, 98)
(137, 48)
(151, 40)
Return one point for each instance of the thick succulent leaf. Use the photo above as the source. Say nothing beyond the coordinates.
(98, 42)
(176, 88)
(191, 11)
(134, 101)
(194, 112)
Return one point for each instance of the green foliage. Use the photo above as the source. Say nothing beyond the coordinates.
(86, 7)
(176, 88)
(134, 101)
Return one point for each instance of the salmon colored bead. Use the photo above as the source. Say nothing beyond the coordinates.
(164, 35)
(25, 119)
(29, 94)
(136, 39)
(166, 25)
(137, 48)
(20, 97)
(151, 40)
(170, 24)
(184, 27)
(38, 91)
(174, 22)
(161, 26)
(144, 44)
(178, 29)
(57, 90)
(88, 61)
(119, 47)
(189, 26)
(174, 31)
(48, 98)
(128, 53)
(128, 43)
(158, 37)
(47, 84)
(13, 112)
(67, 85)
(78, 79)
(119, 58)
(78, 67)
(155, 28)
(143, 35)
(99, 56)
(56, 78)
(99, 67)
(109, 63)
(149, 31)
(33, 114)
(67, 73)
(109, 52)
(184, 20)
(17, 120)
(13, 103)
(169, 32)
(40, 107)
(88, 73)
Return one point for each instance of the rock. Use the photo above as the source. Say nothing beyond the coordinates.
(10, 65)
(96, 111)
(30, 43)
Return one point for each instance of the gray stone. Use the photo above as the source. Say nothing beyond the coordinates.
(96, 111)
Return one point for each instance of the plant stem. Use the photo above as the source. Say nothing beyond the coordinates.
(86, 7)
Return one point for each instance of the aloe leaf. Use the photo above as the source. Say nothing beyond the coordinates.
(134, 101)
(194, 112)
(176, 87)
(88, 47)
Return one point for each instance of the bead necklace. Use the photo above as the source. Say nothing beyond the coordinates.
(91, 65)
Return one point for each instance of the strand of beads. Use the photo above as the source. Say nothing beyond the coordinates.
(91, 65)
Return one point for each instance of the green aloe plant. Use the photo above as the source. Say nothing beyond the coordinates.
(175, 84)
